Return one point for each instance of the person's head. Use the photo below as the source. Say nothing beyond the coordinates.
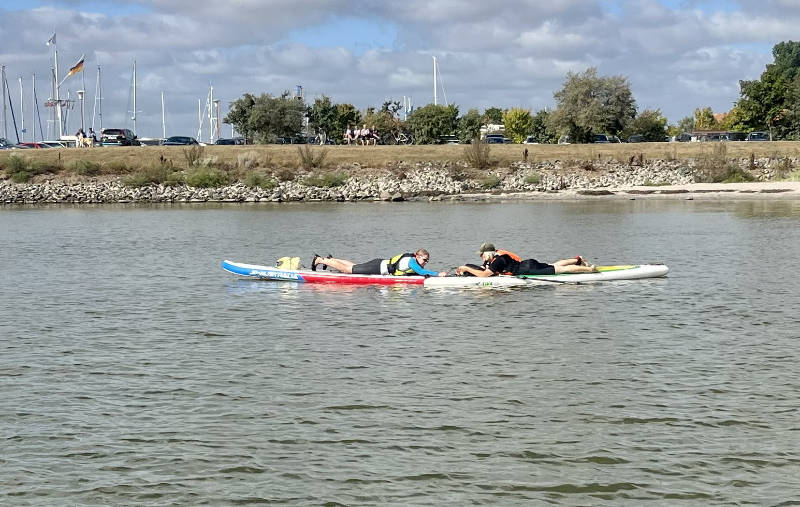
(422, 256)
(487, 251)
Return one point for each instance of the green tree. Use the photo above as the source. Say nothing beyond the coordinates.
(273, 117)
(704, 119)
(323, 117)
(346, 115)
(650, 124)
(686, 125)
(385, 119)
(540, 129)
(430, 122)
(767, 102)
(588, 104)
(493, 115)
(239, 114)
(469, 126)
(518, 123)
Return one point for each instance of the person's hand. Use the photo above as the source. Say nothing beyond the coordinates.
(442, 273)
(460, 270)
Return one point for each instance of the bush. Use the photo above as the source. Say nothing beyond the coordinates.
(85, 168)
(326, 180)
(155, 174)
(206, 177)
(477, 154)
(257, 180)
(22, 170)
(490, 182)
(251, 159)
(533, 179)
(284, 174)
(193, 154)
(310, 158)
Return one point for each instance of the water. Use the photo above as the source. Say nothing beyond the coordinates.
(135, 371)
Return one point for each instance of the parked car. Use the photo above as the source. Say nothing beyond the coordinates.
(151, 141)
(54, 144)
(31, 145)
(564, 140)
(737, 136)
(531, 140)
(758, 136)
(4, 144)
(605, 138)
(636, 138)
(230, 142)
(449, 140)
(180, 141)
(119, 137)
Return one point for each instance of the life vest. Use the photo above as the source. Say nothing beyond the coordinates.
(393, 265)
(510, 254)
(292, 263)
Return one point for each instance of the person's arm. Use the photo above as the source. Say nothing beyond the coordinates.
(474, 272)
(414, 265)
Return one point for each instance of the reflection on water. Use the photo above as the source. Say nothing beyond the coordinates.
(136, 371)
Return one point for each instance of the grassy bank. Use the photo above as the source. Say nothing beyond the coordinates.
(237, 161)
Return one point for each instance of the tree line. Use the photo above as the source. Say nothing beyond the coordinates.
(587, 104)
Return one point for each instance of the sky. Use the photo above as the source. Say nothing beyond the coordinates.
(678, 55)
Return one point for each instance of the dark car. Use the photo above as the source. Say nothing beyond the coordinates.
(30, 145)
(4, 144)
(636, 138)
(605, 138)
(758, 136)
(118, 137)
(180, 141)
(449, 140)
(230, 142)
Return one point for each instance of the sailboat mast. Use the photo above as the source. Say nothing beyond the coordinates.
(435, 101)
(35, 106)
(57, 86)
(21, 110)
(5, 106)
(134, 97)
(163, 119)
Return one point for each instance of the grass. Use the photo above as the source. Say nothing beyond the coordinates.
(326, 180)
(129, 160)
(206, 177)
(533, 179)
(255, 179)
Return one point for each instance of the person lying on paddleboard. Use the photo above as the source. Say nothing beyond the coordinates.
(400, 264)
(502, 262)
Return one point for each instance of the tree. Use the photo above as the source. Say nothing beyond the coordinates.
(384, 120)
(493, 115)
(469, 126)
(766, 103)
(323, 116)
(540, 129)
(431, 122)
(273, 117)
(518, 123)
(686, 125)
(588, 104)
(704, 119)
(239, 114)
(650, 124)
(346, 115)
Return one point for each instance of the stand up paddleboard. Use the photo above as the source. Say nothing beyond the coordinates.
(626, 272)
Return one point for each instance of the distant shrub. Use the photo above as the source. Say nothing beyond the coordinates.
(85, 168)
(490, 182)
(477, 154)
(311, 158)
(22, 170)
(162, 173)
(284, 174)
(117, 167)
(257, 180)
(716, 168)
(326, 180)
(193, 154)
(533, 179)
(206, 177)
(252, 159)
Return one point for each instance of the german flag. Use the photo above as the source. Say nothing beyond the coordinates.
(76, 68)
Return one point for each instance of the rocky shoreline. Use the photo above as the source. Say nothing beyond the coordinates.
(434, 182)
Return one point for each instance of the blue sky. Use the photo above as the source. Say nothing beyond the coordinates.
(677, 55)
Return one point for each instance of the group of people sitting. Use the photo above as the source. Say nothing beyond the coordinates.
(495, 262)
(363, 136)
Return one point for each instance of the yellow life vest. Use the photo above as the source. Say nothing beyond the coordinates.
(393, 264)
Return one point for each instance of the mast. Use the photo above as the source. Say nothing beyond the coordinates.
(5, 105)
(134, 97)
(57, 86)
(21, 110)
(200, 120)
(33, 109)
(435, 101)
(163, 119)
(211, 113)
(97, 106)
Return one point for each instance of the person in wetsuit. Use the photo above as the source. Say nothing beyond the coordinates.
(502, 262)
(400, 264)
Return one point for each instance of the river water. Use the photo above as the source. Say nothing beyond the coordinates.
(135, 371)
